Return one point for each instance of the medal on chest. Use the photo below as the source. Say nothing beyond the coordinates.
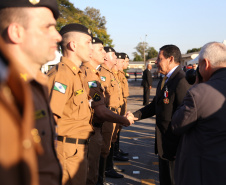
(166, 99)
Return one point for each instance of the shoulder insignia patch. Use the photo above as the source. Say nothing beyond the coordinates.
(40, 114)
(24, 76)
(96, 97)
(92, 84)
(78, 92)
(103, 78)
(60, 87)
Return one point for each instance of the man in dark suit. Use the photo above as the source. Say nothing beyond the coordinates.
(147, 84)
(169, 95)
(201, 156)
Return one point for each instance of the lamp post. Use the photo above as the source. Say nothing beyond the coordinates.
(144, 50)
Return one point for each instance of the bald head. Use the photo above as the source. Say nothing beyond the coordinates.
(149, 66)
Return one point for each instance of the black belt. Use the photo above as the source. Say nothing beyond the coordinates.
(73, 140)
(98, 125)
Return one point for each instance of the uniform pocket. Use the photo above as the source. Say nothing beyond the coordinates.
(70, 150)
(81, 105)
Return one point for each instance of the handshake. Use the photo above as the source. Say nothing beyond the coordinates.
(130, 119)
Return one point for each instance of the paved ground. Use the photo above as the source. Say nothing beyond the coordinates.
(138, 140)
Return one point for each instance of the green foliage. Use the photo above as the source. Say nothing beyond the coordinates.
(142, 47)
(90, 18)
(193, 50)
(137, 57)
(151, 53)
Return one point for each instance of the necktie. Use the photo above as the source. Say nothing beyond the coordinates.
(163, 82)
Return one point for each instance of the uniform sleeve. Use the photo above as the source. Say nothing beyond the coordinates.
(185, 116)
(96, 93)
(60, 91)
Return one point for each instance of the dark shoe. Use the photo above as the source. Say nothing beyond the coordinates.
(118, 169)
(113, 174)
(120, 158)
(123, 153)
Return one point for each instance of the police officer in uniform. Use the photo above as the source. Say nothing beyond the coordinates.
(92, 83)
(112, 102)
(32, 25)
(122, 63)
(69, 102)
(18, 150)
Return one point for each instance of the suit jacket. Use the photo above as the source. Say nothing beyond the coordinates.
(166, 142)
(201, 158)
(147, 78)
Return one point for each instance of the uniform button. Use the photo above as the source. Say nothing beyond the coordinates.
(35, 134)
(43, 133)
(27, 143)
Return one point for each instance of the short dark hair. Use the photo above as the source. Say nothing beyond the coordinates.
(171, 50)
(9, 15)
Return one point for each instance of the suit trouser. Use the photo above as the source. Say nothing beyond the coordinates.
(166, 172)
(94, 156)
(73, 159)
(146, 95)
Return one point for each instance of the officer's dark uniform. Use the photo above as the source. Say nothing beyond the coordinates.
(49, 170)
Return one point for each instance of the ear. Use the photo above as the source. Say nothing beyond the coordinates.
(72, 45)
(207, 64)
(171, 59)
(15, 33)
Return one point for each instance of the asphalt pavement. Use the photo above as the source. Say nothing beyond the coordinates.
(138, 140)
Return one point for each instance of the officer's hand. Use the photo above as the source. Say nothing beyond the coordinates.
(150, 87)
(130, 117)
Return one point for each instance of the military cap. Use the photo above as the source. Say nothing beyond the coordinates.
(95, 40)
(126, 56)
(108, 49)
(74, 27)
(120, 55)
(51, 4)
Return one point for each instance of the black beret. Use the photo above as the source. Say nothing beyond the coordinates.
(120, 55)
(51, 4)
(109, 49)
(95, 40)
(126, 56)
(74, 27)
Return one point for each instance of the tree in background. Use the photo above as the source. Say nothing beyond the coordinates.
(90, 18)
(137, 57)
(193, 50)
(151, 53)
(142, 48)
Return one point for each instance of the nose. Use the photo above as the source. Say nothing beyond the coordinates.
(58, 36)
